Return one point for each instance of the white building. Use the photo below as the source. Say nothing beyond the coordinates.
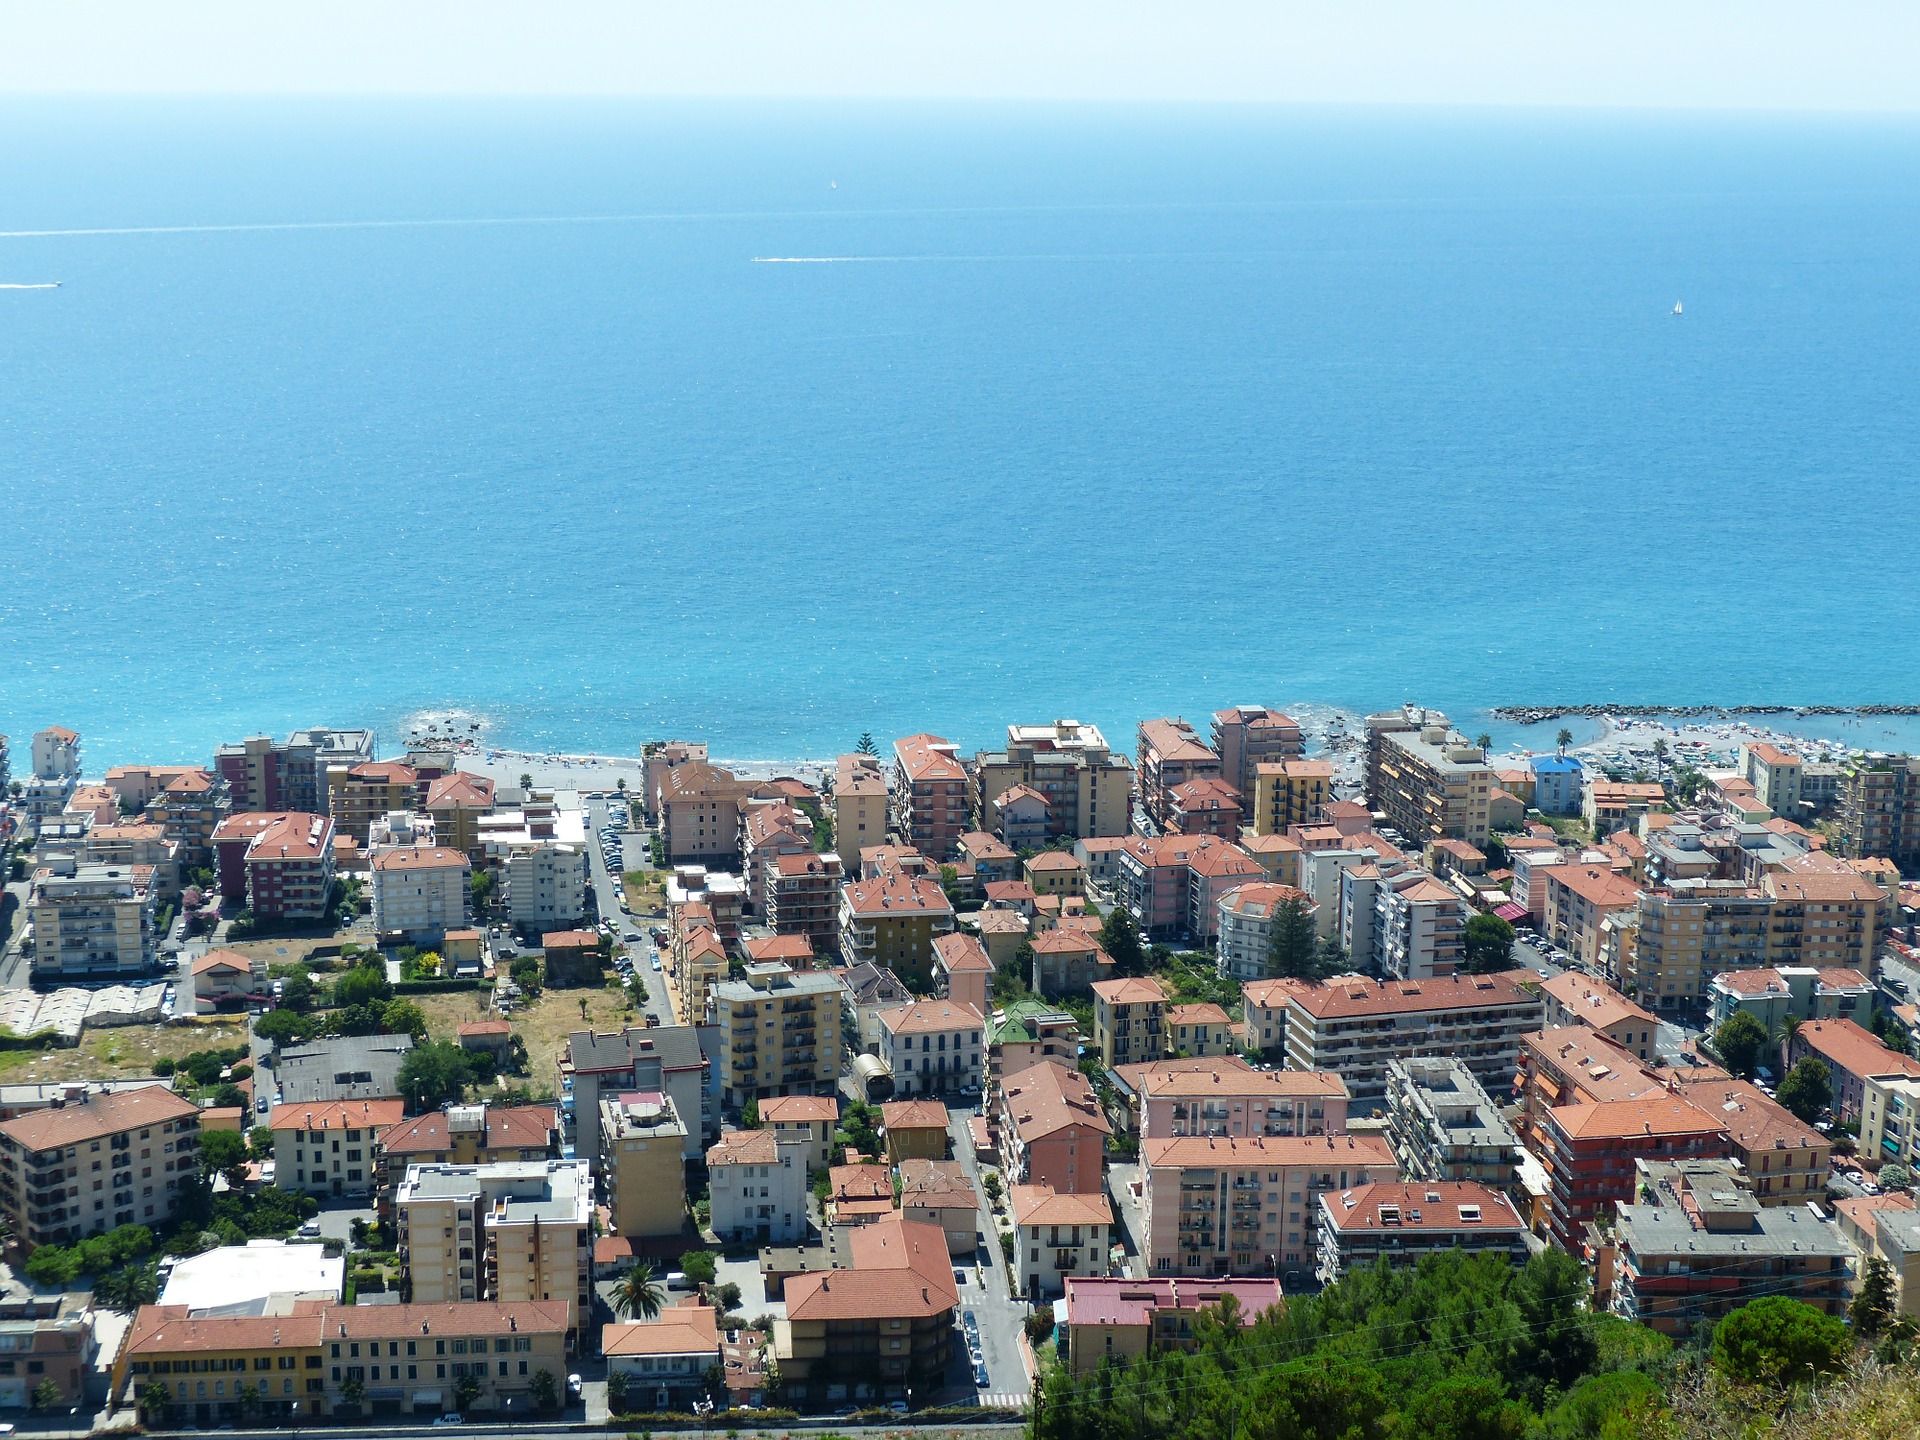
(1056, 1235)
(757, 1187)
(1419, 927)
(90, 921)
(547, 885)
(934, 1047)
(419, 891)
(1246, 927)
(56, 754)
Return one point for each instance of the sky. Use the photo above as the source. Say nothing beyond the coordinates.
(1746, 54)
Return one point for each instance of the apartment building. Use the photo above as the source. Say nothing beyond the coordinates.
(332, 1147)
(779, 1033)
(1067, 962)
(643, 1171)
(91, 922)
(476, 1134)
(1700, 1245)
(136, 843)
(547, 884)
(933, 1047)
(1419, 927)
(1785, 1160)
(1611, 805)
(188, 810)
(938, 1193)
(1122, 1320)
(1129, 1020)
(1426, 778)
(757, 1187)
(927, 807)
(699, 815)
(1557, 785)
(419, 892)
(1287, 793)
(1579, 897)
(288, 865)
(1246, 737)
(1057, 1236)
(803, 898)
(46, 1340)
(1775, 776)
(1198, 1030)
(1573, 999)
(1795, 992)
(699, 962)
(56, 754)
(1879, 808)
(1220, 1205)
(358, 795)
(1853, 1056)
(809, 1119)
(1085, 788)
(1245, 926)
(263, 774)
(1170, 754)
(916, 1130)
(1207, 806)
(1590, 1153)
(1399, 1222)
(1173, 885)
(1224, 1095)
(667, 1058)
(1530, 868)
(1443, 1125)
(892, 920)
(768, 832)
(665, 1360)
(1353, 1026)
(84, 1167)
(1052, 1130)
(962, 970)
(506, 1232)
(1025, 1033)
(859, 798)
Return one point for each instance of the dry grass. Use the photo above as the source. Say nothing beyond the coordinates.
(646, 891)
(543, 1026)
(122, 1052)
(291, 949)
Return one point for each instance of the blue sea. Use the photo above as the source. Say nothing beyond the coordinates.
(344, 412)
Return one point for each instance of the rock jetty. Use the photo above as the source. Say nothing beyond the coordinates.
(1535, 714)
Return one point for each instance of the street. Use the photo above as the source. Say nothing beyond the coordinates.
(988, 1291)
(631, 929)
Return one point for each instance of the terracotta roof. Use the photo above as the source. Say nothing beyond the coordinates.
(899, 1269)
(524, 1127)
(1054, 860)
(1428, 1205)
(99, 1117)
(1350, 996)
(860, 1182)
(1197, 1015)
(1196, 1151)
(1846, 1046)
(60, 732)
(929, 758)
(1260, 899)
(173, 1330)
(937, 1184)
(1772, 755)
(1046, 1098)
(1209, 792)
(1131, 990)
(378, 1115)
(1013, 794)
(982, 846)
(789, 948)
(1746, 1113)
(462, 789)
(1806, 879)
(895, 893)
(931, 1017)
(1216, 858)
(1595, 884)
(385, 772)
(795, 1109)
(992, 921)
(1173, 740)
(1595, 1002)
(570, 940)
(961, 953)
(419, 857)
(1227, 1075)
(1623, 1119)
(679, 1330)
(806, 862)
(913, 1115)
(1106, 1300)
(1043, 1205)
(1065, 942)
(485, 1027)
(484, 1317)
(222, 960)
(1009, 892)
(745, 1147)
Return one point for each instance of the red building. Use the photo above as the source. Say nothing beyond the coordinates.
(1590, 1152)
(289, 867)
(1207, 806)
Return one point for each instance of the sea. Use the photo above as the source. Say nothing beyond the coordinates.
(773, 424)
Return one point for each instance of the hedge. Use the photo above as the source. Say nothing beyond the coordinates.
(443, 986)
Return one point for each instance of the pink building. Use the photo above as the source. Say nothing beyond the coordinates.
(1208, 806)
(1224, 1095)
(1170, 754)
(961, 970)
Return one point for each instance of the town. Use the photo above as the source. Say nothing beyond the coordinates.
(336, 1087)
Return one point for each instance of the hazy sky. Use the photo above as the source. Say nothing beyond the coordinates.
(1784, 54)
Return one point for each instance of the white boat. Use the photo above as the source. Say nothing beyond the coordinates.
(1676, 307)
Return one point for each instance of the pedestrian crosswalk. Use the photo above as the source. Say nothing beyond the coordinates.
(1003, 1401)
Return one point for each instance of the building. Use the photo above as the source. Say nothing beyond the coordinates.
(1173, 885)
(803, 898)
(870, 991)
(1419, 927)
(1085, 788)
(962, 970)
(331, 1147)
(1775, 776)
(769, 831)
(1287, 793)
(1208, 806)
(138, 843)
(1121, 1319)
(1699, 1245)
(779, 1033)
(1129, 1020)
(574, 958)
(1058, 1235)
(222, 977)
(665, 1360)
(1398, 1223)
(938, 1193)
(1426, 778)
(47, 1340)
(1579, 897)
(880, 1329)
(1590, 1153)
(1799, 993)
(928, 805)
(264, 775)
(358, 1067)
(1443, 1125)
(1218, 1205)
(1879, 808)
(419, 892)
(933, 1047)
(546, 884)
(1246, 737)
(1245, 924)
(1169, 755)
(857, 1195)
(1198, 1030)
(1572, 999)
(859, 799)
(1224, 1095)
(80, 1168)
(1053, 1131)
(915, 1130)
(699, 815)
(1067, 962)
(757, 1187)
(287, 866)
(1853, 1056)
(1025, 1033)
(1611, 805)
(810, 1119)
(456, 801)
(1354, 1026)
(475, 1134)
(668, 1058)
(643, 1172)
(506, 1232)
(698, 960)
(91, 922)
(892, 920)
(56, 754)
(358, 795)
(1784, 1159)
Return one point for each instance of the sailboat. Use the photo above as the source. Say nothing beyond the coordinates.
(1676, 308)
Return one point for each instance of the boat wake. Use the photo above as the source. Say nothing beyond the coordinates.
(39, 285)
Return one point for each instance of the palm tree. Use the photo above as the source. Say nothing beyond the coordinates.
(638, 1295)
(1564, 739)
(1484, 741)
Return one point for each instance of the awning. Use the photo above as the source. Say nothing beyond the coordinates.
(1511, 912)
(427, 1397)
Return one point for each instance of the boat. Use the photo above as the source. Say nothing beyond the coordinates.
(1676, 307)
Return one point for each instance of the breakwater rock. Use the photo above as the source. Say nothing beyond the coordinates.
(1535, 714)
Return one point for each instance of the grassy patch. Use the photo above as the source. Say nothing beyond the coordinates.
(646, 890)
(543, 1026)
(122, 1052)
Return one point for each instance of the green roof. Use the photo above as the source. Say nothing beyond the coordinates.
(1015, 1024)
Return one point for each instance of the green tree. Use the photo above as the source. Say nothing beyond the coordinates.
(1292, 943)
(296, 994)
(637, 1295)
(156, 1398)
(1779, 1341)
(698, 1266)
(1741, 1042)
(466, 1390)
(260, 1143)
(1874, 1304)
(48, 1395)
(434, 1075)
(364, 985)
(866, 745)
(353, 1391)
(1808, 1088)
(1333, 959)
(224, 1152)
(284, 1026)
(1465, 1407)
(1489, 944)
(750, 1114)
(1563, 739)
(125, 1290)
(1484, 741)
(403, 1017)
(1585, 1413)
(1896, 1177)
(546, 1394)
(616, 1392)
(1120, 938)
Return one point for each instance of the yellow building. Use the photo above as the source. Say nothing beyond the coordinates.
(1289, 792)
(1198, 1030)
(859, 807)
(779, 1033)
(179, 1369)
(643, 1174)
(83, 1168)
(501, 1232)
(358, 795)
(699, 964)
(891, 920)
(1429, 780)
(477, 1134)
(1088, 789)
(456, 802)
(1129, 1020)
(1054, 872)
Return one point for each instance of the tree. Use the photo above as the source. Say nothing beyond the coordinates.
(1896, 1177)
(1465, 1407)
(364, 985)
(1292, 940)
(285, 1026)
(466, 1390)
(637, 1295)
(125, 1290)
(698, 1266)
(1120, 938)
(546, 1394)
(480, 885)
(260, 1143)
(1741, 1042)
(1563, 739)
(48, 1395)
(224, 1152)
(526, 780)
(616, 1392)
(156, 1397)
(1779, 1341)
(750, 1114)
(1874, 1304)
(715, 1380)
(1332, 959)
(353, 1391)
(1808, 1089)
(727, 1297)
(1489, 944)
(403, 1017)
(1484, 741)
(866, 745)
(296, 994)
(433, 1075)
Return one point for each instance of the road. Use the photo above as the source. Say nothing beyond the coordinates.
(988, 1293)
(607, 896)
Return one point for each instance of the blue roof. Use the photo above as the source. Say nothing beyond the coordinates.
(1554, 764)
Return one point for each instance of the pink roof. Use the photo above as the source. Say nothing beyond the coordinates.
(1105, 1301)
